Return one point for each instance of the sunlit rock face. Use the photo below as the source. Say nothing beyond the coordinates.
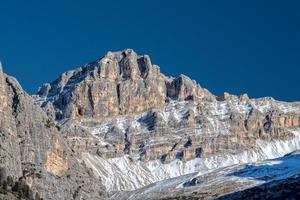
(119, 83)
(133, 151)
(134, 126)
(118, 126)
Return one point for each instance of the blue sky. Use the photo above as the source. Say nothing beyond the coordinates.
(235, 46)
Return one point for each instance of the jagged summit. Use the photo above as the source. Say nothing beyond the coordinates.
(118, 83)
(121, 123)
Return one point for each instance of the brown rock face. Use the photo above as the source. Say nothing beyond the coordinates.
(57, 163)
(192, 129)
(119, 83)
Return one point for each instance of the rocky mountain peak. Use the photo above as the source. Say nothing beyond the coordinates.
(119, 83)
(125, 65)
(131, 126)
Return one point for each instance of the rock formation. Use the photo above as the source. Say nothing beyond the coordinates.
(34, 155)
(118, 84)
(118, 124)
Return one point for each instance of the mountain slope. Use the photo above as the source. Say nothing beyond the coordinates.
(35, 160)
(119, 128)
(135, 126)
(269, 179)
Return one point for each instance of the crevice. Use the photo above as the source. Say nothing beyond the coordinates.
(174, 146)
(198, 152)
(142, 67)
(267, 123)
(91, 104)
(180, 155)
(15, 99)
(163, 158)
(118, 94)
(188, 143)
(127, 143)
(141, 151)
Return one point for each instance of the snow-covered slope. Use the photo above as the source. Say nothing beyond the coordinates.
(216, 183)
(123, 173)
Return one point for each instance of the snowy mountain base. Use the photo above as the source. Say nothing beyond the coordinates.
(122, 174)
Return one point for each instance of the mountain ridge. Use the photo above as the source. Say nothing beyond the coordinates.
(183, 121)
(122, 124)
(127, 77)
(34, 156)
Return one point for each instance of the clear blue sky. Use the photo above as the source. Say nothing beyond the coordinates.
(236, 46)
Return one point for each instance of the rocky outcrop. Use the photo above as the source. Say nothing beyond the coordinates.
(34, 155)
(120, 123)
(190, 129)
(117, 84)
(57, 163)
(122, 111)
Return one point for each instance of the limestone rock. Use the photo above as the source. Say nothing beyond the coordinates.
(118, 123)
(120, 113)
(117, 84)
(34, 153)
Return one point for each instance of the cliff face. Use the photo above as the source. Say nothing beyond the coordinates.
(120, 124)
(136, 126)
(119, 83)
(33, 153)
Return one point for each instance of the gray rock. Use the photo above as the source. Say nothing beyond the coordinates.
(119, 83)
(34, 151)
(123, 106)
(133, 110)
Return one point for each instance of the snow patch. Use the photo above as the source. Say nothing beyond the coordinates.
(122, 173)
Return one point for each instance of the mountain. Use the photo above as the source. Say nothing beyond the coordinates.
(118, 128)
(118, 84)
(268, 179)
(36, 162)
